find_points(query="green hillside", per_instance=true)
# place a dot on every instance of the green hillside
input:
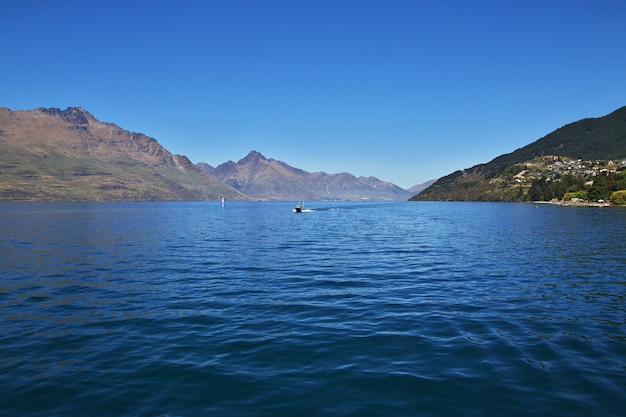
(601, 142)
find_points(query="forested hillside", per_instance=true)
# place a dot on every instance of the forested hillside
(597, 145)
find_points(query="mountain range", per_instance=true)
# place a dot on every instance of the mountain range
(69, 155)
(502, 179)
(268, 179)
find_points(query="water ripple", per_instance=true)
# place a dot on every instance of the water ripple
(353, 309)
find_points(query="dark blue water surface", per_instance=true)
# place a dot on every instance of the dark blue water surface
(390, 309)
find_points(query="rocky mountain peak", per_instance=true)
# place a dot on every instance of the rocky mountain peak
(204, 167)
(74, 115)
(253, 156)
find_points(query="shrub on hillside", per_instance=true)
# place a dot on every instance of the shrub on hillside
(581, 195)
(619, 197)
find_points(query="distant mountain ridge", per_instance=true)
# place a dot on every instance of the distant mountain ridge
(268, 179)
(601, 138)
(416, 189)
(69, 155)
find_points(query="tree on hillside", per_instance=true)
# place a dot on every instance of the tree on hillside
(599, 190)
(619, 197)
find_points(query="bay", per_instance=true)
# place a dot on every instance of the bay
(369, 308)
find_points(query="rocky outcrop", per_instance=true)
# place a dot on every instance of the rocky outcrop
(73, 115)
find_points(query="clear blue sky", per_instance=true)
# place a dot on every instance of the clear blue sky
(405, 91)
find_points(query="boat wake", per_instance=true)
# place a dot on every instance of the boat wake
(313, 210)
(300, 208)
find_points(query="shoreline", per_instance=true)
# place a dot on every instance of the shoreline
(575, 204)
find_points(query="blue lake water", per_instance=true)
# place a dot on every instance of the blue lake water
(390, 309)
